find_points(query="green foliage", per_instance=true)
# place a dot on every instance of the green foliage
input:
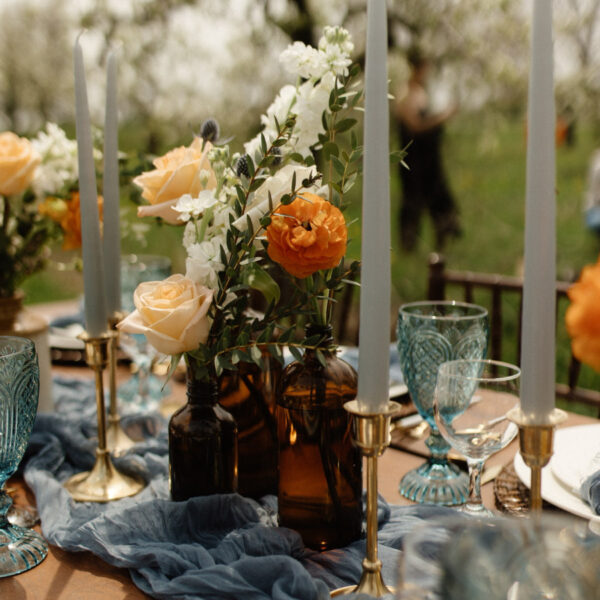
(24, 235)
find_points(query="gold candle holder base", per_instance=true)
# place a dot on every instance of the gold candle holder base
(372, 436)
(104, 482)
(536, 447)
(117, 441)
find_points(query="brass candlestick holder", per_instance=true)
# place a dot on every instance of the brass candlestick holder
(536, 447)
(372, 436)
(104, 482)
(117, 441)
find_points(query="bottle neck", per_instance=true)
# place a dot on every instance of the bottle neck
(200, 391)
(323, 331)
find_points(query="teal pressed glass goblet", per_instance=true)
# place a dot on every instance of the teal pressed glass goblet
(429, 334)
(20, 548)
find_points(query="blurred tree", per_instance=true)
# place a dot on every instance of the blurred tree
(184, 60)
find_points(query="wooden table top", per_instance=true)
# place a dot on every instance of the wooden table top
(83, 576)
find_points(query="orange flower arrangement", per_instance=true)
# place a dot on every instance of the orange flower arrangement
(583, 316)
(67, 213)
(307, 235)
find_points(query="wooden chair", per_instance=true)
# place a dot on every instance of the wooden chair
(496, 288)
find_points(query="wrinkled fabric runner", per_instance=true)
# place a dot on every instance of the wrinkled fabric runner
(214, 547)
(590, 491)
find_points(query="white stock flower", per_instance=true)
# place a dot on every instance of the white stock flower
(337, 60)
(204, 261)
(279, 109)
(59, 161)
(277, 185)
(311, 102)
(190, 207)
(189, 235)
(302, 60)
(336, 36)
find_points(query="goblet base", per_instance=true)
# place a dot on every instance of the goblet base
(21, 549)
(436, 482)
(23, 516)
(476, 510)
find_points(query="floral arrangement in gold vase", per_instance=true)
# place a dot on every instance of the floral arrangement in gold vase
(251, 220)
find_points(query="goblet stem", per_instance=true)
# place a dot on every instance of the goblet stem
(474, 502)
(5, 504)
(437, 445)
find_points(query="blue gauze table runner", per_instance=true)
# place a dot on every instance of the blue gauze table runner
(213, 547)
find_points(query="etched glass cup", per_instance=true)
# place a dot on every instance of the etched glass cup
(472, 398)
(20, 548)
(429, 334)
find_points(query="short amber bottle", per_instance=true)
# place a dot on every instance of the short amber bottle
(203, 450)
(248, 393)
(320, 469)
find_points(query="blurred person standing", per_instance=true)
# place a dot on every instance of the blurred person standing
(424, 185)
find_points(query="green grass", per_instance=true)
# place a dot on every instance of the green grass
(485, 162)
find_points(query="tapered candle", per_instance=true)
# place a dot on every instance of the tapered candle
(375, 291)
(93, 278)
(111, 238)
(539, 293)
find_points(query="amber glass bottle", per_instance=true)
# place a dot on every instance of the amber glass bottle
(203, 451)
(320, 469)
(249, 395)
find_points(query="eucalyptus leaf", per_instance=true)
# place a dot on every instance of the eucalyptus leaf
(297, 354)
(259, 279)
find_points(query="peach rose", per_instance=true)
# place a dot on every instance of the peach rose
(307, 235)
(583, 316)
(172, 314)
(180, 171)
(18, 160)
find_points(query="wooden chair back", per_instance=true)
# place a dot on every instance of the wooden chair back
(496, 288)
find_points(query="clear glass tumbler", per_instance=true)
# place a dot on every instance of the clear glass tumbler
(143, 390)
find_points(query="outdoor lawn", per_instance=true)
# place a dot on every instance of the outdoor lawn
(485, 159)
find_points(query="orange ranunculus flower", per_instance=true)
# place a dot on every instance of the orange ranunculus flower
(67, 213)
(307, 235)
(180, 171)
(583, 316)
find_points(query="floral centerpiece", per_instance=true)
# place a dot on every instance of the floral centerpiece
(244, 213)
(40, 202)
(260, 220)
(583, 316)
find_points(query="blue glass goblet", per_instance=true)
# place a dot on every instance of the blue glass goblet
(20, 548)
(429, 334)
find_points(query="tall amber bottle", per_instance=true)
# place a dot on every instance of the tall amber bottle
(203, 451)
(248, 393)
(320, 469)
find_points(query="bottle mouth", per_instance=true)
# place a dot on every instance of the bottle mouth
(323, 331)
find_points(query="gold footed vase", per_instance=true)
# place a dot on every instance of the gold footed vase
(372, 436)
(104, 482)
